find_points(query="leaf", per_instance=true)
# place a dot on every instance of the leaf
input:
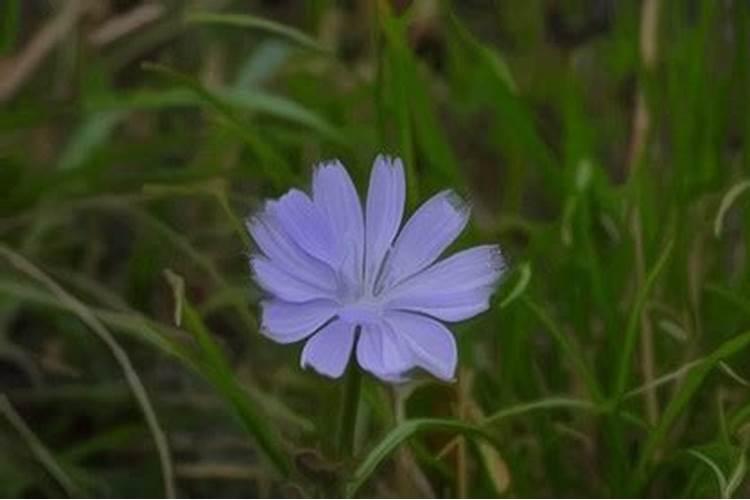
(570, 349)
(274, 167)
(129, 322)
(401, 433)
(726, 203)
(496, 467)
(281, 107)
(223, 378)
(521, 284)
(88, 318)
(544, 404)
(247, 21)
(516, 123)
(631, 330)
(737, 477)
(720, 477)
(37, 447)
(682, 397)
(733, 374)
(163, 338)
(94, 132)
(178, 292)
(489, 57)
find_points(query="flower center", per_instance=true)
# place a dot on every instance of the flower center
(361, 312)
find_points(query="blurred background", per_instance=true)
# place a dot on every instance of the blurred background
(604, 144)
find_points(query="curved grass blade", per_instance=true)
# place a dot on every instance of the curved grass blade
(726, 203)
(570, 349)
(40, 451)
(559, 403)
(247, 21)
(222, 376)
(95, 131)
(400, 434)
(720, 477)
(631, 331)
(120, 355)
(281, 107)
(128, 322)
(521, 284)
(165, 339)
(544, 404)
(682, 397)
(737, 477)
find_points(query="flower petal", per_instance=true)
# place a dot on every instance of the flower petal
(381, 352)
(434, 226)
(282, 251)
(287, 322)
(282, 284)
(329, 350)
(432, 344)
(336, 197)
(307, 226)
(385, 209)
(453, 289)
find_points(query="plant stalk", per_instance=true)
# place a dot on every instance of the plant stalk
(349, 409)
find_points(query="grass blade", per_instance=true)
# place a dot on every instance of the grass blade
(683, 396)
(520, 287)
(400, 434)
(247, 21)
(40, 451)
(720, 477)
(222, 376)
(544, 404)
(571, 350)
(737, 477)
(122, 358)
(631, 331)
(726, 203)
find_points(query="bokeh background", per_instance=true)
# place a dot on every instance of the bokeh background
(605, 144)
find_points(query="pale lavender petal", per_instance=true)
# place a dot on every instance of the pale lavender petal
(336, 197)
(432, 344)
(287, 322)
(385, 209)
(381, 352)
(329, 350)
(282, 284)
(453, 289)
(307, 226)
(433, 227)
(282, 251)
(370, 349)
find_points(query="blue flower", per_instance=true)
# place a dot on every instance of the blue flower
(348, 280)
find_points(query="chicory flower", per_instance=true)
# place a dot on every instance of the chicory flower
(353, 280)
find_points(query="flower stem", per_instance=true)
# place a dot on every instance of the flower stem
(349, 407)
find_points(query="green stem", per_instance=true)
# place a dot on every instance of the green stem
(349, 407)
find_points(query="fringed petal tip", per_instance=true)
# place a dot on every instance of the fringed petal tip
(461, 205)
(497, 262)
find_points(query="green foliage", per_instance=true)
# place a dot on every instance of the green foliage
(614, 361)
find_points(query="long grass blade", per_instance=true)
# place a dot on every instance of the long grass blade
(402, 433)
(631, 330)
(253, 22)
(37, 447)
(682, 398)
(122, 358)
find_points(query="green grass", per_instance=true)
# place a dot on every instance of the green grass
(614, 361)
